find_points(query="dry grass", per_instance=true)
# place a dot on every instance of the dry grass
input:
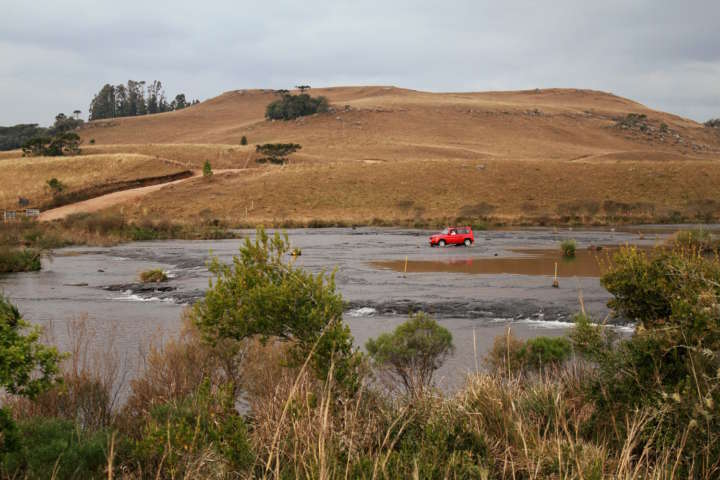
(503, 191)
(27, 177)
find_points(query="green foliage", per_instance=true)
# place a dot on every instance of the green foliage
(63, 143)
(134, 98)
(18, 135)
(207, 169)
(55, 185)
(540, 352)
(9, 437)
(510, 355)
(293, 106)
(55, 448)
(260, 295)
(27, 367)
(14, 260)
(568, 248)
(243, 140)
(432, 444)
(153, 276)
(412, 352)
(276, 153)
(671, 362)
(182, 430)
(713, 123)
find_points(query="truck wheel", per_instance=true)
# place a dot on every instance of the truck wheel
(441, 243)
(467, 242)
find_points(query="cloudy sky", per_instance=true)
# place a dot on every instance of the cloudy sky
(55, 54)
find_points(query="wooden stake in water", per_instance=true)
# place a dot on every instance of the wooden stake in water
(556, 284)
(405, 270)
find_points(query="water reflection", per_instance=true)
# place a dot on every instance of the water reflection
(587, 263)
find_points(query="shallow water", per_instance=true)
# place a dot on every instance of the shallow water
(478, 289)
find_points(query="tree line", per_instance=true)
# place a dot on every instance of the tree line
(135, 98)
(57, 139)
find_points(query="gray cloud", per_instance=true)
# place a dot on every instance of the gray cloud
(55, 54)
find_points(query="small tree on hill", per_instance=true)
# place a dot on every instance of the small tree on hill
(276, 153)
(413, 352)
(302, 88)
(55, 186)
(243, 140)
(207, 169)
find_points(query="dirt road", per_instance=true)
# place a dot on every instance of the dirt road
(112, 199)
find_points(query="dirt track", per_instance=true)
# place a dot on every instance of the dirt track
(112, 199)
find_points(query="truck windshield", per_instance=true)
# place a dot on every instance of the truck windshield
(445, 232)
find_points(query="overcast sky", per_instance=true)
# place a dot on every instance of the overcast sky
(55, 54)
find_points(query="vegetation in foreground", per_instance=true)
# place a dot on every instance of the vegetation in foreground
(272, 335)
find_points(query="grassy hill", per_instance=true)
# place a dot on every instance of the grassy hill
(391, 155)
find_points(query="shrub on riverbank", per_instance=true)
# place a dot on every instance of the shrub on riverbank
(105, 228)
(153, 276)
(13, 260)
(568, 248)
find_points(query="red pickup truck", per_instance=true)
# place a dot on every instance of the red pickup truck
(453, 236)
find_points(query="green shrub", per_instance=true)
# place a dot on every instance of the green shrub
(568, 248)
(293, 106)
(541, 352)
(713, 123)
(510, 355)
(276, 153)
(55, 448)
(243, 140)
(670, 364)
(55, 185)
(180, 433)
(207, 169)
(27, 367)
(153, 276)
(413, 352)
(261, 296)
(13, 260)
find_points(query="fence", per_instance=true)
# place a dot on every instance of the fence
(12, 215)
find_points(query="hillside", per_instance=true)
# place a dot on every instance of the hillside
(399, 156)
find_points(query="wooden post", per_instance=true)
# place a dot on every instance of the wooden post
(556, 284)
(405, 271)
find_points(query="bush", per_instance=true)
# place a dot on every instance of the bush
(510, 355)
(294, 106)
(413, 352)
(27, 367)
(19, 260)
(207, 169)
(180, 436)
(568, 248)
(243, 140)
(713, 123)
(276, 153)
(541, 352)
(55, 185)
(153, 276)
(55, 448)
(261, 296)
(670, 364)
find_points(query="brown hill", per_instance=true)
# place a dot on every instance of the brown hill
(539, 155)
